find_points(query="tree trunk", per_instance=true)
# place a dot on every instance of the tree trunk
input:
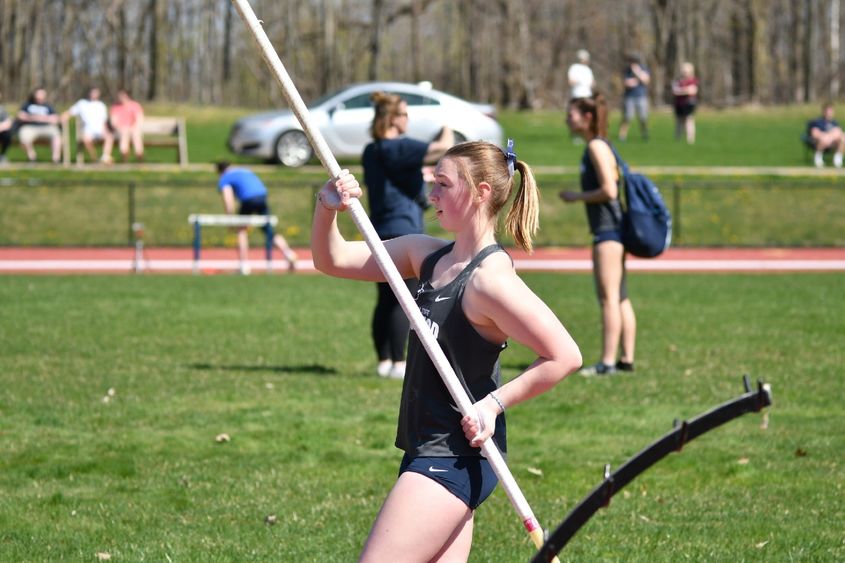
(375, 39)
(152, 46)
(328, 50)
(227, 45)
(835, 55)
(809, 50)
(664, 19)
(751, 37)
(416, 43)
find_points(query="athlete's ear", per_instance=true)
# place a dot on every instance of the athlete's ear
(483, 191)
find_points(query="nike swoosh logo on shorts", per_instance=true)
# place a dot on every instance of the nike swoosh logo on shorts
(433, 469)
(438, 299)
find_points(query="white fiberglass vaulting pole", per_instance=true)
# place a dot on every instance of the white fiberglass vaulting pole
(365, 226)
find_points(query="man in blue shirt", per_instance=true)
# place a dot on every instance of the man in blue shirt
(635, 79)
(241, 184)
(826, 135)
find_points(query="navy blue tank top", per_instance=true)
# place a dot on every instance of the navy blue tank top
(606, 216)
(429, 420)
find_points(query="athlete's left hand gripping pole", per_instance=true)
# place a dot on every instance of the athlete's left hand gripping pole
(359, 216)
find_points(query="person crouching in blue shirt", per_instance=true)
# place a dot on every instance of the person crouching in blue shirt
(241, 184)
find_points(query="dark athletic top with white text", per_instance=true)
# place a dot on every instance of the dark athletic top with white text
(429, 420)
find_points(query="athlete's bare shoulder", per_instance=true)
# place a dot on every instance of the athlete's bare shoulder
(418, 247)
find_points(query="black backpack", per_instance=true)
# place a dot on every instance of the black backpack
(646, 221)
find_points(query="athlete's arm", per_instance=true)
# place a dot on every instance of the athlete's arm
(438, 147)
(500, 306)
(336, 256)
(605, 166)
(228, 199)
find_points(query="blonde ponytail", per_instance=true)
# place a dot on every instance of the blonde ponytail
(523, 219)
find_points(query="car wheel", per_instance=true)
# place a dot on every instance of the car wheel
(293, 149)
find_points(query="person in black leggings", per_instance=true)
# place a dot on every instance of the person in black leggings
(396, 190)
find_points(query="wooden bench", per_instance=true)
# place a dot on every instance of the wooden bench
(157, 131)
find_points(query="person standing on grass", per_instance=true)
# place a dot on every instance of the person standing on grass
(635, 81)
(396, 192)
(93, 118)
(241, 184)
(587, 117)
(473, 301)
(826, 135)
(580, 76)
(685, 91)
(127, 119)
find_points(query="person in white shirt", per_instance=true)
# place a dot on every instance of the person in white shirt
(581, 79)
(93, 119)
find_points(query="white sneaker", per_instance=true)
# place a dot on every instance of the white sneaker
(397, 371)
(837, 160)
(384, 367)
(245, 269)
(818, 160)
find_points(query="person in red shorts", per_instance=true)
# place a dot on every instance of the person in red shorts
(685, 90)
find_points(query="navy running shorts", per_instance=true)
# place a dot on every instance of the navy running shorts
(604, 236)
(471, 479)
(255, 206)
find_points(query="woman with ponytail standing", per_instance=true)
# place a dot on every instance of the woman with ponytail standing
(396, 192)
(473, 301)
(587, 117)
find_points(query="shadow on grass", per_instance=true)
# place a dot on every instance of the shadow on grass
(314, 369)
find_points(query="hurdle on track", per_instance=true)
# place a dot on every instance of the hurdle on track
(204, 220)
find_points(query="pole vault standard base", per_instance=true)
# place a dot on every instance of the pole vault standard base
(674, 441)
(267, 222)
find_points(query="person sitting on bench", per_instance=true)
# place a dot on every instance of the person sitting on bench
(38, 120)
(127, 118)
(94, 123)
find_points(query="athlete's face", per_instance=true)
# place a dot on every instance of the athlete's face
(578, 122)
(451, 197)
(400, 120)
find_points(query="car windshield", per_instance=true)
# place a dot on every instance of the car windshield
(363, 100)
(325, 97)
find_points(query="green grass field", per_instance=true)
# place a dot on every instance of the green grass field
(283, 366)
(58, 211)
(48, 206)
(742, 136)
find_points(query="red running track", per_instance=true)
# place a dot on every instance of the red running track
(217, 260)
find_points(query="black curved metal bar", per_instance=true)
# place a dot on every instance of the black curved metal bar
(674, 441)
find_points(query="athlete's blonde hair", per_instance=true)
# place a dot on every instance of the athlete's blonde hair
(480, 161)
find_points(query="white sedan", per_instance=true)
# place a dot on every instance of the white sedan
(344, 118)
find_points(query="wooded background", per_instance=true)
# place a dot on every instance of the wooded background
(514, 54)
